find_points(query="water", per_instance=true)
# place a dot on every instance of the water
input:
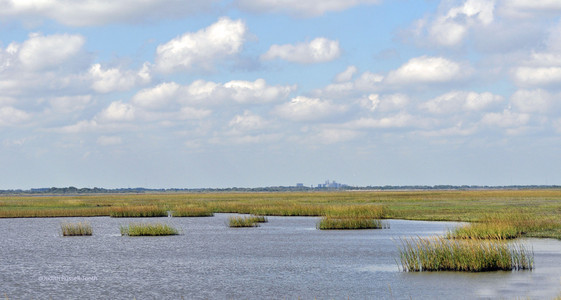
(286, 258)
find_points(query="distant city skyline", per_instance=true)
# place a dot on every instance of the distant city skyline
(253, 93)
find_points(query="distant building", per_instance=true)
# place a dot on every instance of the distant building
(299, 185)
(330, 184)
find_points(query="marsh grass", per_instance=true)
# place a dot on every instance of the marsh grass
(330, 223)
(504, 226)
(192, 211)
(138, 211)
(148, 229)
(76, 229)
(246, 221)
(441, 254)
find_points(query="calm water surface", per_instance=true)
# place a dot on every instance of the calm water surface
(286, 258)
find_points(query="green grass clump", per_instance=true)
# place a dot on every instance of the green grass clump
(145, 229)
(76, 229)
(355, 211)
(192, 211)
(247, 221)
(441, 254)
(330, 223)
(138, 211)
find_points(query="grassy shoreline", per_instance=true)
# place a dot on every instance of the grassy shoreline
(542, 207)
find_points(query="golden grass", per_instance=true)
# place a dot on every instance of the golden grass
(330, 223)
(246, 221)
(192, 211)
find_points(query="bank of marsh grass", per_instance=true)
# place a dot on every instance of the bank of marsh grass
(504, 226)
(330, 223)
(192, 211)
(246, 221)
(430, 205)
(138, 211)
(148, 229)
(76, 229)
(441, 254)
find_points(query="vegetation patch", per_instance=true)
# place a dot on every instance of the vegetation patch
(330, 223)
(246, 221)
(138, 211)
(192, 211)
(148, 229)
(76, 229)
(441, 254)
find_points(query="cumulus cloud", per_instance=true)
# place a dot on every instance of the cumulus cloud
(69, 104)
(118, 112)
(537, 76)
(316, 51)
(88, 13)
(10, 116)
(115, 79)
(202, 49)
(460, 101)
(302, 109)
(450, 26)
(346, 75)
(505, 119)
(40, 52)
(203, 92)
(426, 69)
(247, 122)
(398, 120)
(533, 101)
(308, 8)
(384, 103)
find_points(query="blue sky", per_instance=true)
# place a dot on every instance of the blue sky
(247, 93)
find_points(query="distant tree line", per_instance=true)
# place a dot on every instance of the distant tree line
(76, 191)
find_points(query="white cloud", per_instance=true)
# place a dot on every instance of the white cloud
(109, 140)
(384, 103)
(69, 104)
(303, 109)
(156, 97)
(87, 13)
(393, 121)
(346, 75)
(316, 51)
(427, 69)
(40, 52)
(118, 112)
(335, 135)
(452, 24)
(12, 116)
(505, 119)
(529, 8)
(247, 122)
(460, 101)
(301, 8)
(532, 101)
(240, 91)
(115, 79)
(537, 76)
(203, 48)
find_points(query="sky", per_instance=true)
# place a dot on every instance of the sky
(252, 93)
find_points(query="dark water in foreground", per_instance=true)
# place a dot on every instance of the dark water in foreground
(286, 258)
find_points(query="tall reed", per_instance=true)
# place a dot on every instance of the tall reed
(441, 254)
(76, 229)
(147, 229)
